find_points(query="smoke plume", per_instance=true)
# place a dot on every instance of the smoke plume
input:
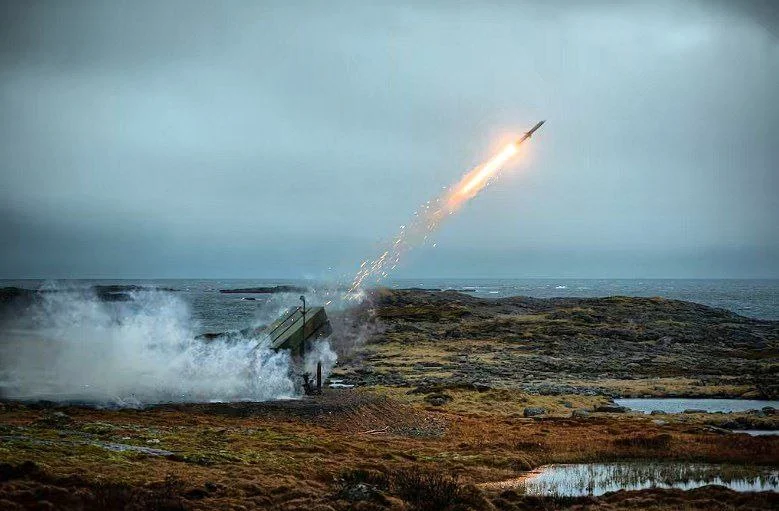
(72, 346)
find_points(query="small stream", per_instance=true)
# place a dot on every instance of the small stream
(581, 479)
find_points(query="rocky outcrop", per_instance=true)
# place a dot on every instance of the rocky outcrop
(568, 345)
(611, 409)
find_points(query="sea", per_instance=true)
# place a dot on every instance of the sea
(213, 311)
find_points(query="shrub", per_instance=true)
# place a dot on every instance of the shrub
(435, 491)
(425, 490)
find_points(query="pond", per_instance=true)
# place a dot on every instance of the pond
(757, 432)
(678, 405)
(581, 479)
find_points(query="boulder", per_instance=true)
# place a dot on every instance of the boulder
(715, 429)
(612, 408)
(533, 411)
(438, 399)
(580, 414)
(360, 492)
(481, 387)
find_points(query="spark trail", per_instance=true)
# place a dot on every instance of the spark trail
(430, 215)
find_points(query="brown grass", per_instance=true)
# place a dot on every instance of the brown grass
(269, 459)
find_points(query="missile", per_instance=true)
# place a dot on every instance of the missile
(529, 133)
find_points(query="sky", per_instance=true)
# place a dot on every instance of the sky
(187, 139)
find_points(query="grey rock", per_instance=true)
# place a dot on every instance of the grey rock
(580, 414)
(715, 429)
(438, 399)
(360, 492)
(533, 411)
(611, 409)
(481, 387)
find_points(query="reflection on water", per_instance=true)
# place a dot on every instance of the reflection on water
(678, 405)
(598, 478)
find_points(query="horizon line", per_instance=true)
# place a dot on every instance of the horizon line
(387, 280)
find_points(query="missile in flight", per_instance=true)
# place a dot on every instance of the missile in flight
(529, 133)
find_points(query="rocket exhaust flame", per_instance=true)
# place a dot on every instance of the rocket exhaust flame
(428, 217)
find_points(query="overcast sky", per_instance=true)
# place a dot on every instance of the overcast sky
(290, 139)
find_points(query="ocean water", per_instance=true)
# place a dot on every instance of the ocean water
(757, 298)
(212, 311)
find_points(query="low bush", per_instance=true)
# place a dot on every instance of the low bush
(423, 490)
(435, 491)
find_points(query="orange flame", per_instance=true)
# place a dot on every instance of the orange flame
(474, 181)
(428, 217)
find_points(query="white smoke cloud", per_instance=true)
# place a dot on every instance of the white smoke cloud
(75, 347)
(320, 352)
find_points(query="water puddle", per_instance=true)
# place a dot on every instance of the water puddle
(679, 405)
(581, 479)
(111, 446)
(339, 384)
(758, 432)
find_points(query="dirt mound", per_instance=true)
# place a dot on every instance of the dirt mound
(342, 410)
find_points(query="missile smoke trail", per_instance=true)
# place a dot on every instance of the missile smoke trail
(430, 215)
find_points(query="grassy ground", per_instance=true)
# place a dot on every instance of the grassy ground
(225, 456)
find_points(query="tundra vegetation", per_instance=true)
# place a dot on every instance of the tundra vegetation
(451, 392)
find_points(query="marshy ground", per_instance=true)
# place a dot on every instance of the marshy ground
(451, 392)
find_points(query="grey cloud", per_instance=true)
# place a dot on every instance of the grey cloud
(298, 135)
(764, 13)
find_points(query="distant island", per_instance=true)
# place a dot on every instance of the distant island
(106, 293)
(266, 290)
